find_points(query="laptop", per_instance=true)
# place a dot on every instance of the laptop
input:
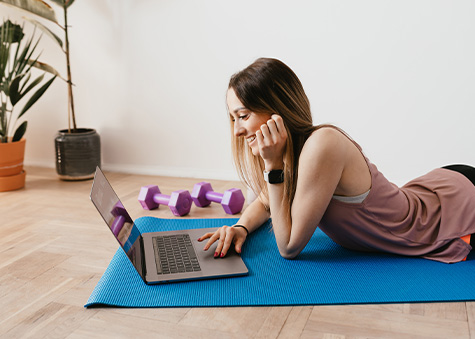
(161, 257)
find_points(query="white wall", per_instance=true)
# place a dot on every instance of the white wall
(398, 76)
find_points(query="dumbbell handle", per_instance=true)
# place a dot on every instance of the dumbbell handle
(214, 196)
(161, 199)
(179, 201)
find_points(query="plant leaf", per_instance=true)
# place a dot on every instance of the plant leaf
(45, 67)
(25, 62)
(3, 123)
(13, 91)
(25, 82)
(47, 31)
(13, 31)
(32, 85)
(20, 59)
(37, 7)
(20, 131)
(34, 98)
(4, 53)
(15, 61)
(5, 47)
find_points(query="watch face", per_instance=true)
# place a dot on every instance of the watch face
(276, 176)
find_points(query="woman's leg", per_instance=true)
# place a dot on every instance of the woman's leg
(466, 170)
(469, 173)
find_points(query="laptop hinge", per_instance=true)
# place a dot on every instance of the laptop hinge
(142, 254)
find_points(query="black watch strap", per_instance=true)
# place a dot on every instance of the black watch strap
(274, 176)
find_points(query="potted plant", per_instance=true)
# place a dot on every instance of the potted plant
(78, 150)
(18, 59)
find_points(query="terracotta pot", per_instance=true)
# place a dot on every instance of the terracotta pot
(12, 176)
(77, 154)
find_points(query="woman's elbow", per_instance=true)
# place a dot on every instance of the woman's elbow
(289, 254)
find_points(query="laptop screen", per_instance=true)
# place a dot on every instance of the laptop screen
(116, 217)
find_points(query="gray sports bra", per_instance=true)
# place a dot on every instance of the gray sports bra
(358, 199)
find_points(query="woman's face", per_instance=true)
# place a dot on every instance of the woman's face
(246, 123)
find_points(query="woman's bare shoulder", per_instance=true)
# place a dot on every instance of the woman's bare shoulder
(326, 150)
(326, 139)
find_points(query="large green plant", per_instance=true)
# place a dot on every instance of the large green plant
(43, 10)
(18, 58)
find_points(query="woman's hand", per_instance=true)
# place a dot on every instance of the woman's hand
(271, 140)
(225, 235)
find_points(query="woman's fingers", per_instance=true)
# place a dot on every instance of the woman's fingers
(260, 138)
(205, 236)
(266, 133)
(238, 245)
(273, 129)
(212, 238)
(279, 123)
(272, 132)
(228, 240)
(271, 139)
(225, 236)
(222, 239)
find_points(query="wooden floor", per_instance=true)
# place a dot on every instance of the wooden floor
(54, 248)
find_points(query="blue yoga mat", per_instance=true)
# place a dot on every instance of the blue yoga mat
(324, 273)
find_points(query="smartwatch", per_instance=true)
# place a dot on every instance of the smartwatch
(274, 176)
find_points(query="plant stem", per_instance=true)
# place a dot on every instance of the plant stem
(3, 121)
(71, 115)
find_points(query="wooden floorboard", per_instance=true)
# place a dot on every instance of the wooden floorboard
(54, 249)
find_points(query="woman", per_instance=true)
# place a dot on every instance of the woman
(308, 176)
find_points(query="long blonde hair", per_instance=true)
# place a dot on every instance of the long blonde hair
(268, 86)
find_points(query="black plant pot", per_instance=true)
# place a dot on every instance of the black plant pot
(77, 154)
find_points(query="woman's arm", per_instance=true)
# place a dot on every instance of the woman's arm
(253, 216)
(321, 165)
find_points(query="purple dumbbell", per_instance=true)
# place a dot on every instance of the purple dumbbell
(179, 201)
(232, 200)
(120, 218)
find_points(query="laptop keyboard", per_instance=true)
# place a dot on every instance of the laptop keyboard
(175, 254)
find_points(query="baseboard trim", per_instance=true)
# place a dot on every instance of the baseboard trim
(158, 170)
